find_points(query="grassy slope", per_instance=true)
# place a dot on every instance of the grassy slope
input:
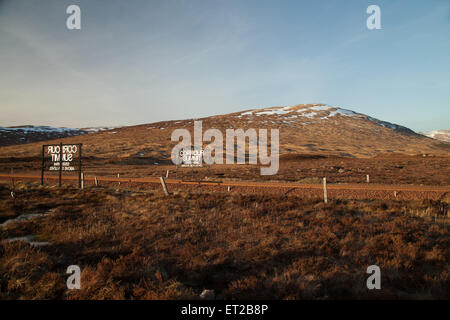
(147, 246)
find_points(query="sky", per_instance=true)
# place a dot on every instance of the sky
(135, 62)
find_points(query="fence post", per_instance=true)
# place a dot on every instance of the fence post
(96, 181)
(167, 173)
(367, 178)
(164, 186)
(12, 179)
(118, 176)
(82, 181)
(325, 195)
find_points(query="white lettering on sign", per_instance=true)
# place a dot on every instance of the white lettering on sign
(67, 157)
(191, 157)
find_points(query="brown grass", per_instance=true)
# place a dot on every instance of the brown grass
(143, 245)
(382, 170)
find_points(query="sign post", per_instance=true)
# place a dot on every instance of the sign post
(43, 166)
(79, 166)
(60, 162)
(191, 157)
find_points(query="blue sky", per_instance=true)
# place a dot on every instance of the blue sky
(137, 62)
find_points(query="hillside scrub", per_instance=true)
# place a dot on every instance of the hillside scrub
(144, 245)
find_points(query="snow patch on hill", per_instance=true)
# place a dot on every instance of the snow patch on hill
(311, 112)
(97, 129)
(315, 113)
(34, 129)
(443, 135)
(28, 134)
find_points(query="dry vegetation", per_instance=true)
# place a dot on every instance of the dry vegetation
(383, 169)
(143, 245)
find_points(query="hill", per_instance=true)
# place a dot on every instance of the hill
(305, 129)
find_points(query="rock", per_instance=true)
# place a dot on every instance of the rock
(207, 295)
(30, 240)
(341, 170)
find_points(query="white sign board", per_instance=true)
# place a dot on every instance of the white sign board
(191, 157)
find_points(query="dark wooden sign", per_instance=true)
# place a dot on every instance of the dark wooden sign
(61, 157)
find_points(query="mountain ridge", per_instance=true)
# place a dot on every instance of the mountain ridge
(304, 129)
(23, 134)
